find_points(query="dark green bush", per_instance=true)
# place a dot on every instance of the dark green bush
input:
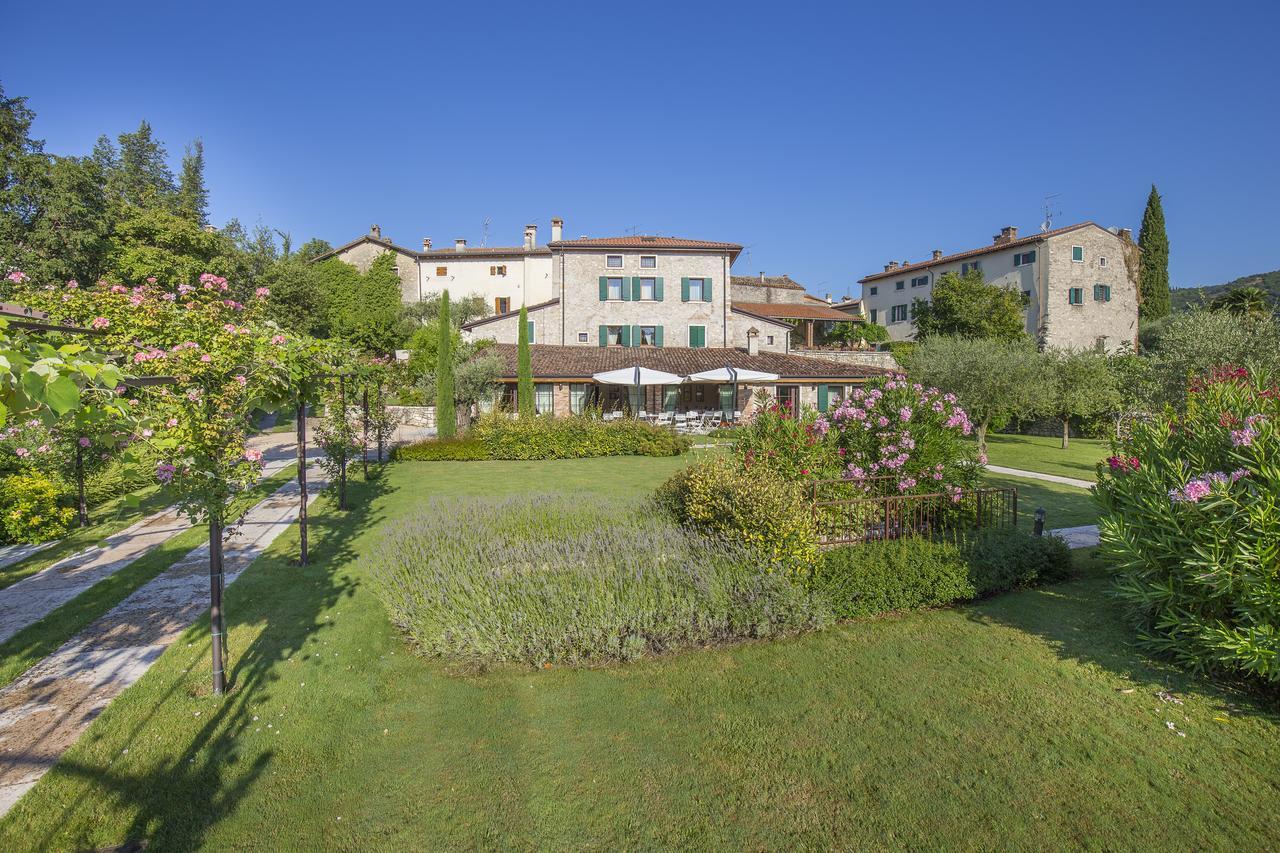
(443, 450)
(1003, 559)
(574, 437)
(902, 574)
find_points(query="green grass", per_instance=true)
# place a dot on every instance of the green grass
(1065, 506)
(1022, 721)
(39, 639)
(105, 520)
(1046, 456)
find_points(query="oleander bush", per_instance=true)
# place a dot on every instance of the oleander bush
(1191, 528)
(463, 449)
(29, 509)
(554, 579)
(573, 437)
(758, 506)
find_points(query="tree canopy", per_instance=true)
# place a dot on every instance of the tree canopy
(1153, 270)
(967, 306)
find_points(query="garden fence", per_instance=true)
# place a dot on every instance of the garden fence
(851, 520)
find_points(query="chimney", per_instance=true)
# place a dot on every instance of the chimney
(904, 262)
(937, 254)
(375, 232)
(753, 341)
(1126, 234)
(1007, 234)
(426, 244)
(530, 236)
(828, 298)
(557, 229)
(892, 265)
(460, 244)
(762, 276)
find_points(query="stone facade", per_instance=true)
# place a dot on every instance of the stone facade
(882, 359)
(762, 288)
(773, 337)
(363, 253)
(505, 329)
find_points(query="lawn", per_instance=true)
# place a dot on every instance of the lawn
(1022, 721)
(1064, 506)
(1045, 455)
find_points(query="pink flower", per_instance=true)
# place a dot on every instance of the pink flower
(241, 380)
(44, 448)
(172, 422)
(164, 472)
(100, 322)
(151, 279)
(982, 459)
(229, 328)
(262, 292)
(146, 433)
(84, 442)
(206, 358)
(72, 284)
(253, 455)
(119, 288)
(277, 340)
(17, 277)
(22, 452)
(904, 414)
(1243, 437)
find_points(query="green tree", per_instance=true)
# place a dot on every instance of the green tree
(524, 368)
(994, 380)
(1153, 271)
(151, 242)
(193, 195)
(1251, 302)
(966, 306)
(1082, 384)
(312, 249)
(1201, 339)
(363, 308)
(139, 173)
(299, 301)
(417, 315)
(446, 412)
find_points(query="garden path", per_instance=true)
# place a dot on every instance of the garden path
(34, 598)
(45, 711)
(1036, 475)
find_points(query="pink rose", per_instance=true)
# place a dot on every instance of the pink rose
(100, 322)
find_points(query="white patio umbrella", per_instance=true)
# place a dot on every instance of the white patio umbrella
(637, 377)
(734, 375)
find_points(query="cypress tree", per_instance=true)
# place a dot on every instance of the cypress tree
(446, 416)
(1153, 276)
(193, 195)
(524, 369)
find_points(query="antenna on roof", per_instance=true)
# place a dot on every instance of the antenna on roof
(1049, 212)
(632, 230)
(484, 232)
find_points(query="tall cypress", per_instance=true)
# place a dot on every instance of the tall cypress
(1153, 276)
(446, 414)
(524, 368)
(193, 194)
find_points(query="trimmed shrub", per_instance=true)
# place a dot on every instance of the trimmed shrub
(1002, 559)
(1192, 523)
(574, 437)
(442, 450)
(759, 507)
(902, 574)
(29, 511)
(548, 578)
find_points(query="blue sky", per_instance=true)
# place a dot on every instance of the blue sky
(828, 139)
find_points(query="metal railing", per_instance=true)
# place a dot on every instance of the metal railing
(841, 520)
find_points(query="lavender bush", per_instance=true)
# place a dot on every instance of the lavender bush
(546, 579)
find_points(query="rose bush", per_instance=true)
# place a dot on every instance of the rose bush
(1192, 526)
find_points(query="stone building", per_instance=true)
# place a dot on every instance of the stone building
(364, 250)
(1079, 284)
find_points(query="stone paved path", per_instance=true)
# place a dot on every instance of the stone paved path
(31, 599)
(1036, 475)
(45, 710)
(1085, 536)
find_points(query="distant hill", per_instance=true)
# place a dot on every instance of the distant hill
(1184, 297)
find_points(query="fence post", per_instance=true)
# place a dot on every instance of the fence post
(977, 524)
(1015, 507)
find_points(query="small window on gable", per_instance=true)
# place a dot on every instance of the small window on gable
(648, 262)
(1102, 260)
(874, 291)
(583, 337)
(1075, 296)
(768, 339)
(441, 272)
(1077, 254)
(613, 261)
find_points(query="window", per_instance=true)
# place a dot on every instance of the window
(769, 340)
(1024, 258)
(613, 262)
(648, 262)
(1075, 296)
(696, 290)
(1026, 298)
(647, 289)
(697, 336)
(1077, 254)
(614, 336)
(920, 281)
(1102, 261)
(531, 331)
(577, 397)
(874, 312)
(501, 304)
(899, 285)
(874, 291)
(542, 398)
(614, 288)
(970, 266)
(648, 336)
(1102, 293)
(441, 272)
(898, 314)
(583, 337)
(498, 270)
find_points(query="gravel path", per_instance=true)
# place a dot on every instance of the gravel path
(1036, 475)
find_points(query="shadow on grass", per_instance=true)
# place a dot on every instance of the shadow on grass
(175, 804)
(1082, 623)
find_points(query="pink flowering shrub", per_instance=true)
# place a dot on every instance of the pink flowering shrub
(1192, 526)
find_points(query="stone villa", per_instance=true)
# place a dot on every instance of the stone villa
(1079, 284)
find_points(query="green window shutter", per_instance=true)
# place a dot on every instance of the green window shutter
(604, 288)
(706, 290)
(635, 288)
(635, 336)
(697, 336)
(604, 336)
(657, 336)
(684, 290)
(823, 392)
(626, 336)
(657, 289)
(626, 289)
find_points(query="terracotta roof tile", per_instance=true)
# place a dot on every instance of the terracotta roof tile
(789, 311)
(555, 300)
(642, 241)
(581, 362)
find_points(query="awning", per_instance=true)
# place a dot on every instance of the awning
(733, 374)
(637, 376)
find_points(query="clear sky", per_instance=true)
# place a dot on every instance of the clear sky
(828, 139)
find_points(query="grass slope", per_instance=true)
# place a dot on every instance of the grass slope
(42, 638)
(1045, 455)
(1064, 506)
(1024, 721)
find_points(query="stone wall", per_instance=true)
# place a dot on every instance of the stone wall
(546, 328)
(763, 293)
(362, 255)
(1111, 324)
(867, 358)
